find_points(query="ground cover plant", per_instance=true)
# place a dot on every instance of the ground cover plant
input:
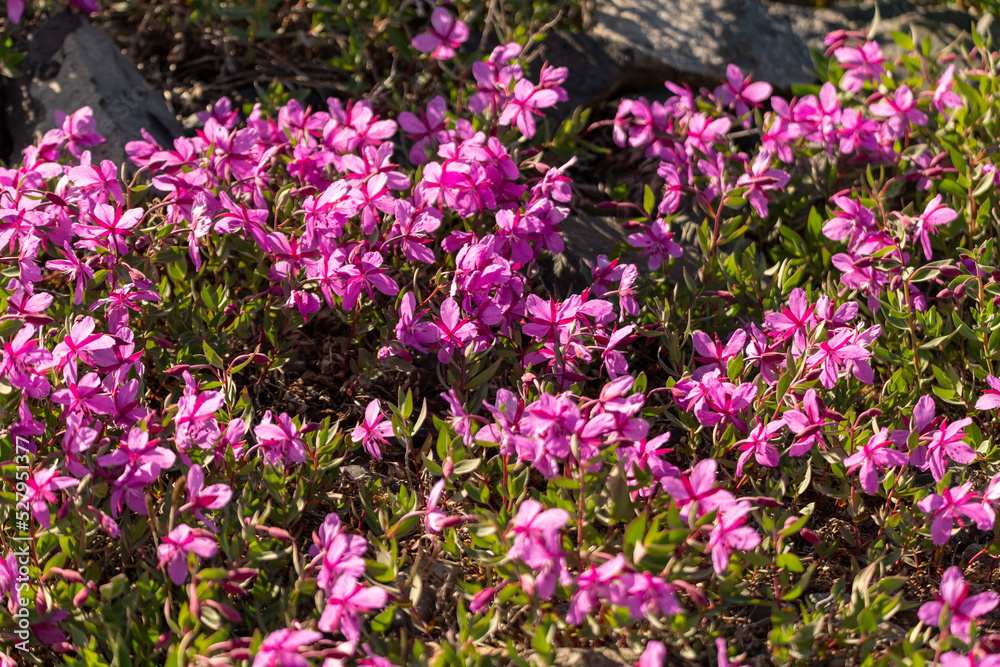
(782, 455)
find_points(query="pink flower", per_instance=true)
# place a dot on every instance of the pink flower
(990, 400)
(176, 546)
(758, 444)
(453, 331)
(944, 98)
(281, 648)
(875, 455)
(195, 422)
(697, 486)
(952, 504)
(15, 8)
(899, 111)
(41, 491)
(806, 424)
(953, 659)
(280, 440)
(346, 601)
(78, 129)
(524, 105)
(945, 443)
(443, 37)
(714, 354)
(200, 497)
(80, 341)
(863, 62)
(794, 321)
(536, 532)
(373, 430)
(593, 584)
(739, 92)
(955, 606)
(935, 215)
(657, 243)
(759, 177)
(729, 533)
(654, 655)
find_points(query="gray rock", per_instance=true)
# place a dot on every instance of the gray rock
(702, 37)
(70, 64)
(635, 45)
(588, 236)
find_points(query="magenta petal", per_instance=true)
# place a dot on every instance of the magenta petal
(941, 529)
(869, 478)
(977, 605)
(988, 401)
(930, 613)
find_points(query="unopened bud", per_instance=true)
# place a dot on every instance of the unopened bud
(280, 534)
(482, 600)
(809, 536)
(224, 609)
(71, 576)
(81, 597)
(242, 573)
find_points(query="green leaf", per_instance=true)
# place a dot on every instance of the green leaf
(796, 592)
(789, 562)
(212, 356)
(905, 41)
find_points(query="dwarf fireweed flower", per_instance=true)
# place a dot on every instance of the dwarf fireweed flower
(730, 532)
(951, 505)
(536, 532)
(524, 105)
(935, 215)
(953, 659)
(990, 400)
(900, 111)
(944, 98)
(699, 486)
(42, 488)
(945, 443)
(875, 455)
(78, 129)
(445, 34)
(373, 429)
(175, 547)
(347, 599)
(714, 354)
(840, 351)
(201, 497)
(280, 440)
(953, 605)
(642, 593)
(8, 581)
(195, 423)
(863, 63)
(758, 179)
(758, 444)
(654, 655)
(738, 92)
(593, 584)
(806, 424)
(793, 321)
(282, 648)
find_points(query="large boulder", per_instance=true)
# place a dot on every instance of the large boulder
(69, 65)
(634, 45)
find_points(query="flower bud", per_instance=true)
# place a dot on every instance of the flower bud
(482, 600)
(809, 536)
